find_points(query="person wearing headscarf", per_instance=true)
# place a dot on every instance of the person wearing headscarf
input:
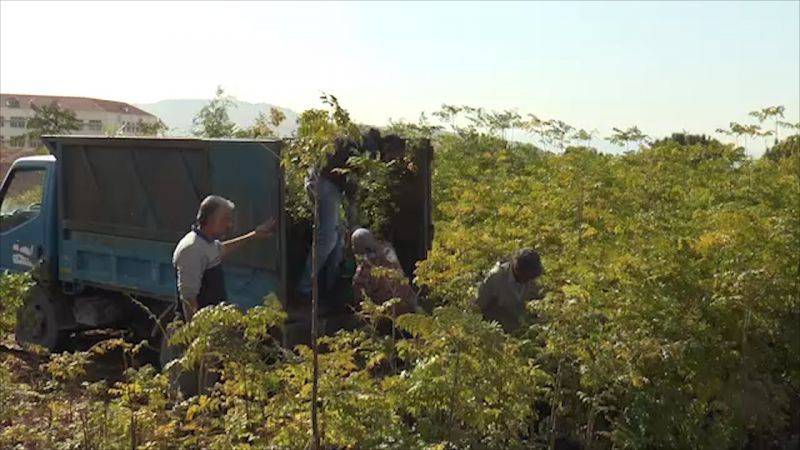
(379, 276)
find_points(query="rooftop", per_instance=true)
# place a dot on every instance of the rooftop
(72, 103)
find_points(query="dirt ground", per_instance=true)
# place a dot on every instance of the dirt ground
(26, 362)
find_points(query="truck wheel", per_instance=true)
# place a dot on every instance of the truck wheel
(36, 321)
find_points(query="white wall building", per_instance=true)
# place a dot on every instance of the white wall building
(97, 117)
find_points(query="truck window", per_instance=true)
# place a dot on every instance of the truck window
(22, 198)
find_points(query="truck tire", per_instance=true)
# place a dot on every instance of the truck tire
(37, 321)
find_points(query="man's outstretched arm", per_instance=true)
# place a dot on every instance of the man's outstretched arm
(262, 231)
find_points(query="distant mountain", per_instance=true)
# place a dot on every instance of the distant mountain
(178, 114)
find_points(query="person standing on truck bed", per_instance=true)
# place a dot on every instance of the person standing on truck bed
(508, 287)
(198, 256)
(330, 183)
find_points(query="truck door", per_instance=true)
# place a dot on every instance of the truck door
(22, 222)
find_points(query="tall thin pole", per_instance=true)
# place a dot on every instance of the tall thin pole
(315, 321)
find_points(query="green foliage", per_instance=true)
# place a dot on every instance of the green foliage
(51, 119)
(471, 386)
(13, 287)
(625, 137)
(787, 148)
(24, 199)
(376, 180)
(310, 149)
(264, 127)
(685, 138)
(669, 321)
(771, 112)
(649, 327)
(157, 128)
(213, 120)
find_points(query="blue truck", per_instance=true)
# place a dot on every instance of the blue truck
(96, 222)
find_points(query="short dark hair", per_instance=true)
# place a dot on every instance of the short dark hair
(393, 141)
(210, 205)
(371, 140)
(528, 260)
(393, 146)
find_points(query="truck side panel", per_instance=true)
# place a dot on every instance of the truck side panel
(126, 202)
(139, 188)
(145, 268)
(249, 174)
(120, 263)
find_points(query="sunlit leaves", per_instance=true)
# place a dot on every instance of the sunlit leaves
(13, 288)
(213, 120)
(645, 259)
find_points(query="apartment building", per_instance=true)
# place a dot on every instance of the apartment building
(97, 116)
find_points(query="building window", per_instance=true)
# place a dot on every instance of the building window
(95, 125)
(2, 121)
(12, 103)
(131, 128)
(17, 141)
(17, 122)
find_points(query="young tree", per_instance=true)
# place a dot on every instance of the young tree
(585, 136)
(51, 119)
(503, 121)
(264, 126)
(276, 117)
(739, 130)
(624, 137)
(449, 113)
(793, 127)
(638, 136)
(315, 142)
(535, 126)
(157, 128)
(557, 133)
(475, 116)
(770, 112)
(213, 120)
(764, 134)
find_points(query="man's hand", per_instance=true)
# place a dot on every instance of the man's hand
(189, 308)
(266, 229)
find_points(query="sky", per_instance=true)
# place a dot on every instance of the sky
(664, 67)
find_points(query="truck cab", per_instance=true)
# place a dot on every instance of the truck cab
(27, 215)
(97, 220)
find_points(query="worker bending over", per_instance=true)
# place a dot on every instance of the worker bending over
(508, 287)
